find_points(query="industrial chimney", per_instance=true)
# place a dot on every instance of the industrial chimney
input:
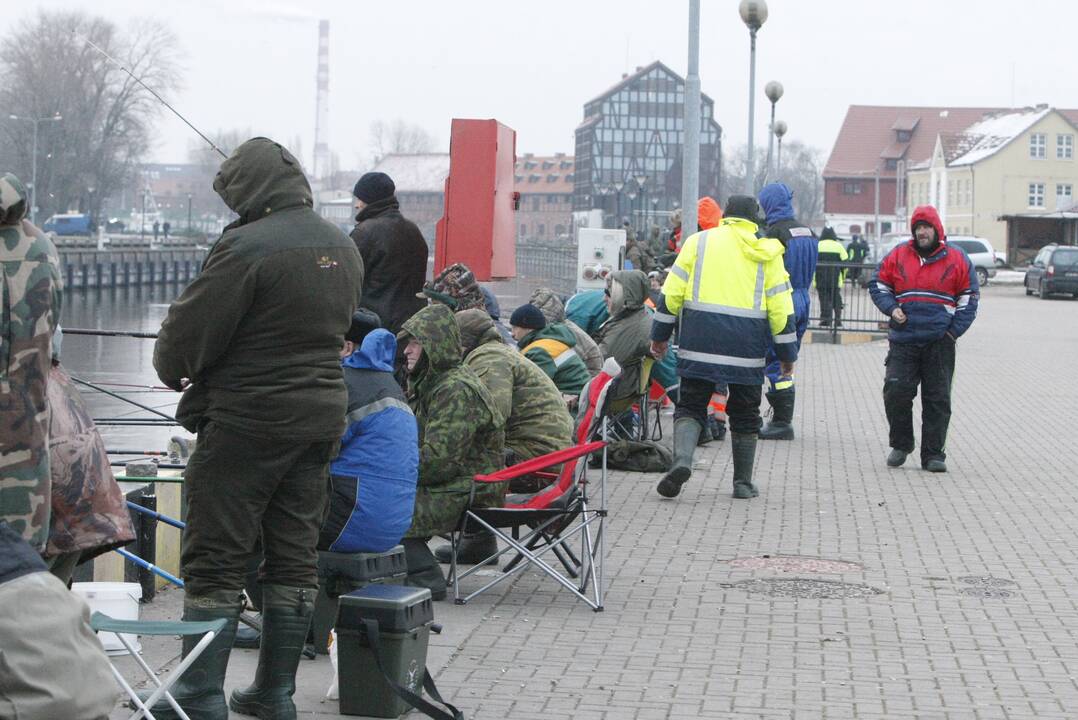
(321, 120)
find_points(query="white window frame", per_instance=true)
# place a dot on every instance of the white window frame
(1038, 146)
(1069, 195)
(1036, 192)
(1064, 146)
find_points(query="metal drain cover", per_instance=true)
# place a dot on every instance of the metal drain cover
(986, 586)
(796, 563)
(804, 588)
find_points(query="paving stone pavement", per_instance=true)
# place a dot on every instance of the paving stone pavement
(680, 638)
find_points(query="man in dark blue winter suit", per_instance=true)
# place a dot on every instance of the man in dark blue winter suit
(776, 200)
(373, 478)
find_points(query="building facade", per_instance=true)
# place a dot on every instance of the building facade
(629, 149)
(545, 184)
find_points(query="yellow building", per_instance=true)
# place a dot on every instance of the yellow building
(1008, 163)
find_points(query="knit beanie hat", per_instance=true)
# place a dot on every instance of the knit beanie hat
(363, 321)
(456, 287)
(744, 207)
(528, 316)
(374, 186)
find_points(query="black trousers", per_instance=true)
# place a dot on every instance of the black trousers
(931, 366)
(742, 404)
(830, 302)
(240, 488)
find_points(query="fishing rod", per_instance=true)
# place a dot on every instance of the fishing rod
(126, 400)
(109, 333)
(149, 89)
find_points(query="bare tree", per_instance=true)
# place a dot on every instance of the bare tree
(200, 153)
(801, 170)
(47, 69)
(398, 137)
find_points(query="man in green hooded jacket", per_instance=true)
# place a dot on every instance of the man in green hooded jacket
(461, 434)
(537, 421)
(551, 346)
(254, 342)
(626, 335)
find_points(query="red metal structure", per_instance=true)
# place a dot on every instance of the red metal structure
(478, 227)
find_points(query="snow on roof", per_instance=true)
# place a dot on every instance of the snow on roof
(997, 130)
(416, 173)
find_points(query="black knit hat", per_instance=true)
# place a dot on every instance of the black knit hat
(374, 186)
(363, 321)
(528, 316)
(744, 207)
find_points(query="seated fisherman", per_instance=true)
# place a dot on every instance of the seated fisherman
(461, 434)
(551, 347)
(554, 311)
(373, 478)
(537, 421)
(626, 336)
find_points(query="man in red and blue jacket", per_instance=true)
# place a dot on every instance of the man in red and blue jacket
(930, 292)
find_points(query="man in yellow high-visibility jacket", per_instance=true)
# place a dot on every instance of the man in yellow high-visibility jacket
(732, 295)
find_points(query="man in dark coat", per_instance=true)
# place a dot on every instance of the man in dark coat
(394, 252)
(254, 341)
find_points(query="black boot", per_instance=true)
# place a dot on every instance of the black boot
(200, 692)
(686, 434)
(744, 451)
(247, 638)
(781, 425)
(474, 548)
(423, 569)
(838, 317)
(286, 615)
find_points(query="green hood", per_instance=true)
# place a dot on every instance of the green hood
(436, 330)
(754, 248)
(631, 294)
(13, 204)
(554, 331)
(476, 328)
(259, 178)
(550, 304)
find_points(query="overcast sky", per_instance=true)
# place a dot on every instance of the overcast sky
(532, 65)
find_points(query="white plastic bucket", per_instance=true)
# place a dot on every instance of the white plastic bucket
(119, 601)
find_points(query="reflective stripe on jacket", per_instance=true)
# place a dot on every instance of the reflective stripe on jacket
(733, 295)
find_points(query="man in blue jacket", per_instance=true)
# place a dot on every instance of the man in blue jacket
(800, 257)
(373, 478)
(930, 293)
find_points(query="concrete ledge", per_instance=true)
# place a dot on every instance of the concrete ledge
(846, 337)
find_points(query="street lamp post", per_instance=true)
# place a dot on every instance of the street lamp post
(188, 213)
(603, 191)
(773, 90)
(631, 193)
(753, 14)
(617, 185)
(780, 130)
(641, 180)
(33, 160)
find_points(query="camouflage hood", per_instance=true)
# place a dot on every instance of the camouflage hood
(550, 304)
(476, 328)
(13, 200)
(261, 177)
(436, 330)
(628, 290)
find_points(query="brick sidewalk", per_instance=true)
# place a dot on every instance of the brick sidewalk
(974, 617)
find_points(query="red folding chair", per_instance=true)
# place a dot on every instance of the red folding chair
(545, 521)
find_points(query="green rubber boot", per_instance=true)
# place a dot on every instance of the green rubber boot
(744, 451)
(201, 690)
(286, 615)
(686, 435)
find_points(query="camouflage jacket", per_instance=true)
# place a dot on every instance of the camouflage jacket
(461, 430)
(31, 309)
(89, 511)
(537, 421)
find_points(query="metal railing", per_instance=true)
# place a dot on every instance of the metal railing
(553, 266)
(858, 314)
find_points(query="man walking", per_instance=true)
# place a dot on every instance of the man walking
(732, 295)
(254, 342)
(829, 277)
(393, 249)
(799, 259)
(930, 293)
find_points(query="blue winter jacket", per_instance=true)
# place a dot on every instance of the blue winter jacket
(373, 479)
(800, 242)
(588, 310)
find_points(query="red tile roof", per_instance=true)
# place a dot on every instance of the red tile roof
(869, 130)
(544, 174)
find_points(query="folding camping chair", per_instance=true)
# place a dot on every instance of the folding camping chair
(545, 521)
(634, 426)
(103, 623)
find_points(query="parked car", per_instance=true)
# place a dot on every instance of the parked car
(1053, 270)
(980, 253)
(68, 224)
